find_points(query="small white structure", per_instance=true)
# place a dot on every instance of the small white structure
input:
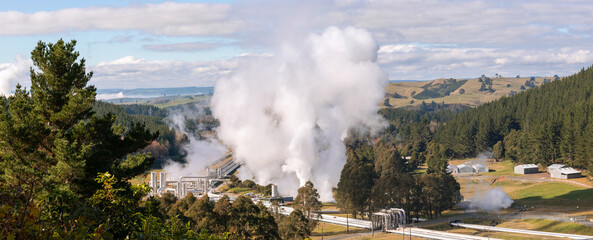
(554, 167)
(565, 173)
(465, 168)
(480, 168)
(275, 191)
(452, 169)
(526, 169)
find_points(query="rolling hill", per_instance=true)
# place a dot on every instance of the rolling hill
(469, 92)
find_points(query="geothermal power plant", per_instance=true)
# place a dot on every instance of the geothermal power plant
(194, 184)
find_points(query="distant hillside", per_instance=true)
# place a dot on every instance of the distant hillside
(552, 123)
(157, 92)
(469, 92)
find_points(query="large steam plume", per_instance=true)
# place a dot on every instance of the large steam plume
(285, 116)
(11, 73)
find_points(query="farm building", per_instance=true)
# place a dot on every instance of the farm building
(465, 168)
(526, 169)
(554, 166)
(452, 169)
(480, 167)
(565, 173)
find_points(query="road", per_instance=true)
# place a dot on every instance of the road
(529, 232)
(415, 232)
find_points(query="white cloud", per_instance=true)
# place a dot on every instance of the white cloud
(409, 61)
(13, 73)
(173, 19)
(180, 47)
(131, 72)
(471, 22)
(105, 96)
(420, 39)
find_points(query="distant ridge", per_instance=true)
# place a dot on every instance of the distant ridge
(397, 81)
(159, 91)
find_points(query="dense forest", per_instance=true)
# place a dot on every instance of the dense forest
(168, 145)
(439, 90)
(546, 124)
(377, 177)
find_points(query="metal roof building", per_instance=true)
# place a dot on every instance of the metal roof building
(565, 173)
(555, 166)
(526, 169)
(465, 168)
(480, 167)
(452, 169)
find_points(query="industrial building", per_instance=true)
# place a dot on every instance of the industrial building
(452, 169)
(554, 166)
(199, 184)
(479, 168)
(466, 168)
(526, 169)
(565, 173)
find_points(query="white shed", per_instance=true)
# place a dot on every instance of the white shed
(465, 168)
(480, 167)
(526, 169)
(565, 173)
(452, 169)
(554, 166)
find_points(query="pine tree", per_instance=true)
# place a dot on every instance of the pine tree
(52, 146)
(498, 150)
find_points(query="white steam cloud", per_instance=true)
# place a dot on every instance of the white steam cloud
(485, 197)
(107, 96)
(286, 116)
(491, 200)
(200, 152)
(11, 73)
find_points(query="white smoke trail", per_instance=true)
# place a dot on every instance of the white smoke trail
(11, 73)
(286, 116)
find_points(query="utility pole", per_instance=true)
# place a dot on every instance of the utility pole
(347, 224)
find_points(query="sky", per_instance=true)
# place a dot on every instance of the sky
(153, 44)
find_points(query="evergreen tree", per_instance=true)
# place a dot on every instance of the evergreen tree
(52, 145)
(498, 150)
(356, 179)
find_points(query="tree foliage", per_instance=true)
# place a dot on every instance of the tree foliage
(307, 202)
(377, 177)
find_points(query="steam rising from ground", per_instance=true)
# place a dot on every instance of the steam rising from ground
(286, 116)
(200, 152)
(487, 198)
(490, 200)
(10, 73)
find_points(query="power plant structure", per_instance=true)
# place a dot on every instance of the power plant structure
(388, 219)
(198, 184)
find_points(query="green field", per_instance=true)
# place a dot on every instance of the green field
(504, 168)
(550, 194)
(171, 101)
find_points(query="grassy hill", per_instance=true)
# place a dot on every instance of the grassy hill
(163, 101)
(455, 91)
